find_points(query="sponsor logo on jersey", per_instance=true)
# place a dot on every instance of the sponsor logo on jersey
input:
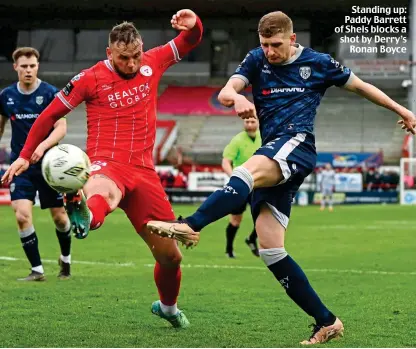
(26, 116)
(39, 100)
(68, 88)
(146, 70)
(305, 72)
(129, 97)
(10, 101)
(268, 91)
(106, 87)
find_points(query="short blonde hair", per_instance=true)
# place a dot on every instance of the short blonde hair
(275, 23)
(125, 33)
(25, 51)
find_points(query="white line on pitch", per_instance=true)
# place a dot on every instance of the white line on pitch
(222, 266)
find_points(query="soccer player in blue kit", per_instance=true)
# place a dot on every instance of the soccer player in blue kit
(288, 82)
(22, 103)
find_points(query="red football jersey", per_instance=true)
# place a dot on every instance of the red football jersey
(121, 114)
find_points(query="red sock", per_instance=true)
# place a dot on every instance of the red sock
(99, 209)
(168, 282)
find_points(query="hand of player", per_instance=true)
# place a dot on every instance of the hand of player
(408, 122)
(38, 153)
(183, 20)
(15, 169)
(244, 108)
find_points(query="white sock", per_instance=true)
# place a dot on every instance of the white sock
(168, 309)
(39, 269)
(66, 259)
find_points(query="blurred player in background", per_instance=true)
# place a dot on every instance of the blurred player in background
(327, 185)
(236, 153)
(22, 103)
(121, 95)
(288, 82)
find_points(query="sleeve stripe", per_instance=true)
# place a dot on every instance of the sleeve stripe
(242, 77)
(174, 50)
(349, 79)
(64, 101)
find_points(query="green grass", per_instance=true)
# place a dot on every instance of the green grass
(360, 259)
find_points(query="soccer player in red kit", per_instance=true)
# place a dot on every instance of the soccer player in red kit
(120, 95)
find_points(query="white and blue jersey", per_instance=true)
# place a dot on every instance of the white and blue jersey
(22, 109)
(286, 97)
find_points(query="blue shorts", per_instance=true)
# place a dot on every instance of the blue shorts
(31, 181)
(296, 156)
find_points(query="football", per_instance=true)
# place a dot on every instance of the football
(66, 168)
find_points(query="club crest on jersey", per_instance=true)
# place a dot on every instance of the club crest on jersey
(39, 100)
(146, 70)
(305, 72)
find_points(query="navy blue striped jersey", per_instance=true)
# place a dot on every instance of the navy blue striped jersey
(286, 96)
(23, 109)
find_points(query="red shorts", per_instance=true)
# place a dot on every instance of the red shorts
(143, 197)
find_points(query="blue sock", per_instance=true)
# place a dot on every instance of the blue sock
(297, 287)
(222, 202)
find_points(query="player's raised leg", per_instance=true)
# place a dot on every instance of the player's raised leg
(28, 238)
(271, 233)
(258, 171)
(102, 196)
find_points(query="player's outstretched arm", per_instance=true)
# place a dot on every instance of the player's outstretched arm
(54, 138)
(42, 126)
(373, 94)
(229, 96)
(191, 31)
(227, 166)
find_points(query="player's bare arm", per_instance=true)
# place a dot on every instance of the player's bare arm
(373, 94)
(227, 166)
(230, 96)
(54, 138)
(3, 121)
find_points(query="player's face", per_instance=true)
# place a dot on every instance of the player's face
(250, 126)
(27, 69)
(125, 58)
(328, 166)
(277, 48)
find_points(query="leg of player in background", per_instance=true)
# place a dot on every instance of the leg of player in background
(330, 202)
(231, 232)
(251, 242)
(323, 201)
(27, 233)
(271, 239)
(63, 233)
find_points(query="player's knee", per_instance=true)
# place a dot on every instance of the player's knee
(170, 259)
(23, 217)
(61, 220)
(272, 255)
(235, 220)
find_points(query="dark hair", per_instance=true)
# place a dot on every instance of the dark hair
(275, 23)
(25, 51)
(124, 32)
